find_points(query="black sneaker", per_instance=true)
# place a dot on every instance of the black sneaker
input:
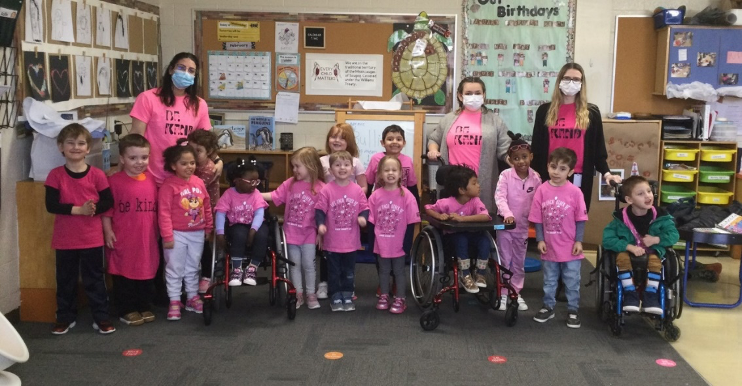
(573, 320)
(651, 304)
(630, 301)
(544, 314)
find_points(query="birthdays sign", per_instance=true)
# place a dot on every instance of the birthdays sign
(517, 47)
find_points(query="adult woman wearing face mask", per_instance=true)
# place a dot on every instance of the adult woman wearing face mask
(569, 121)
(472, 136)
(165, 114)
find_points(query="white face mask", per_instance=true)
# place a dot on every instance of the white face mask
(473, 102)
(570, 88)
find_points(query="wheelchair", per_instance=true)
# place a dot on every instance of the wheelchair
(609, 291)
(435, 272)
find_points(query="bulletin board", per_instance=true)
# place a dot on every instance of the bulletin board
(343, 34)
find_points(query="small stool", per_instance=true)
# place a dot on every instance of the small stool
(532, 265)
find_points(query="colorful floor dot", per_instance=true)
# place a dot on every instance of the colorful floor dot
(132, 352)
(333, 355)
(497, 359)
(665, 362)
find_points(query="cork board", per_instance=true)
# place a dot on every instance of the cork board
(636, 58)
(344, 34)
(136, 39)
(149, 27)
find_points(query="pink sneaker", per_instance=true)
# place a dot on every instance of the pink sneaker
(173, 311)
(398, 307)
(299, 300)
(195, 304)
(383, 303)
(312, 302)
(203, 285)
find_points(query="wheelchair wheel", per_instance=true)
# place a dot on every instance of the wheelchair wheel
(282, 268)
(217, 295)
(208, 304)
(455, 302)
(426, 266)
(672, 332)
(674, 295)
(429, 320)
(228, 301)
(291, 307)
(272, 293)
(616, 327)
(511, 314)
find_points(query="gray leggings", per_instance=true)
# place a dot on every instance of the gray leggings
(303, 258)
(386, 266)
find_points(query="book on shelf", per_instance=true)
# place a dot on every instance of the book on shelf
(733, 223)
(262, 133)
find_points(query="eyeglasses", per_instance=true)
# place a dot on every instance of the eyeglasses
(181, 67)
(521, 146)
(249, 182)
(573, 80)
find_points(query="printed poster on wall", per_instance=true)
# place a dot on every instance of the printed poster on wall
(518, 47)
(288, 72)
(287, 37)
(238, 31)
(239, 75)
(353, 75)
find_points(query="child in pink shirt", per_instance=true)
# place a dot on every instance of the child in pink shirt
(464, 205)
(558, 211)
(392, 209)
(341, 211)
(300, 194)
(184, 216)
(244, 208)
(130, 231)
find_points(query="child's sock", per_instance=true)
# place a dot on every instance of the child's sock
(481, 266)
(236, 262)
(464, 265)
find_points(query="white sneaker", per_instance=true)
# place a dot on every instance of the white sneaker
(503, 303)
(322, 290)
(522, 306)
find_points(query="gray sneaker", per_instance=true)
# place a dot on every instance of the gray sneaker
(337, 305)
(349, 306)
(573, 320)
(544, 314)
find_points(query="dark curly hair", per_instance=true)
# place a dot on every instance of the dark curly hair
(205, 138)
(517, 142)
(173, 153)
(457, 177)
(239, 168)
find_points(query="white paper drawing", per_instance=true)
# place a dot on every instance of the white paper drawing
(102, 27)
(83, 79)
(35, 21)
(103, 76)
(61, 21)
(287, 37)
(121, 33)
(84, 34)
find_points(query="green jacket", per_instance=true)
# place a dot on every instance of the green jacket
(617, 236)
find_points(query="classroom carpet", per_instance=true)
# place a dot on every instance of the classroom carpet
(255, 343)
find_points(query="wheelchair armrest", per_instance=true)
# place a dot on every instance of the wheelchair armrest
(496, 223)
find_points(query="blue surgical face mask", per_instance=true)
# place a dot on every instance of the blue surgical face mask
(182, 79)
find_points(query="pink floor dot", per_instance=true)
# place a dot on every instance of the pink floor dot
(132, 352)
(665, 362)
(497, 359)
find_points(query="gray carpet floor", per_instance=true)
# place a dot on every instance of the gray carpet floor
(254, 343)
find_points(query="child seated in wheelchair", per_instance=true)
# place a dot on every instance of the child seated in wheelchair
(639, 229)
(464, 205)
(244, 207)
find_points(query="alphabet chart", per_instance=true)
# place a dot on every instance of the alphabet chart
(239, 75)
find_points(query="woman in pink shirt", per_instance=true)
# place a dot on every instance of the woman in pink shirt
(165, 114)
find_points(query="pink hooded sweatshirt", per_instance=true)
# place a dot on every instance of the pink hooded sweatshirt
(513, 196)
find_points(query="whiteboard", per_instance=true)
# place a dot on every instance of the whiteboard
(368, 137)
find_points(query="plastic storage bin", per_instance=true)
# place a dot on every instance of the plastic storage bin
(678, 153)
(715, 174)
(668, 17)
(717, 154)
(679, 175)
(671, 193)
(712, 195)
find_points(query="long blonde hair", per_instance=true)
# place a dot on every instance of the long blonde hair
(309, 157)
(582, 118)
(380, 178)
(346, 132)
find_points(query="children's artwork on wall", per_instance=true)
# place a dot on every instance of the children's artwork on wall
(121, 32)
(102, 27)
(103, 76)
(34, 63)
(608, 192)
(682, 39)
(123, 78)
(706, 59)
(59, 74)
(137, 78)
(61, 21)
(34, 21)
(680, 70)
(83, 77)
(726, 79)
(151, 69)
(84, 35)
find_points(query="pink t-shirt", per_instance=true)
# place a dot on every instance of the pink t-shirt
(450, 205)
(357, 168)
(240, 207)
(183, 206)
(391, 212)
(464, 140)
(165, 125)
(408, 170)
(74, 231)
(298, 217)
(566, 134)
(558, 208)
(342, 206)
(134, 220)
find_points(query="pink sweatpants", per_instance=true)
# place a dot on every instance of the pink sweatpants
(512, 247)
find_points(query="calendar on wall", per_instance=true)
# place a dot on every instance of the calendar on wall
(239, 75)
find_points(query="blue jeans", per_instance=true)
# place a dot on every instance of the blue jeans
(462, 240)
(570, 272)
(341, 275)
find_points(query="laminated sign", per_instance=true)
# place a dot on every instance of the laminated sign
(238, 31)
